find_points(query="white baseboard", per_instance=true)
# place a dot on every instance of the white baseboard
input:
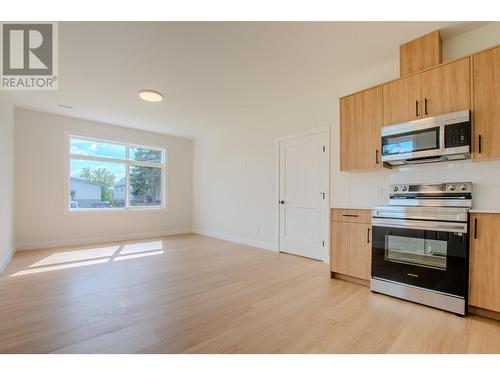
(244, 241)
(4, 262)
(94, 240)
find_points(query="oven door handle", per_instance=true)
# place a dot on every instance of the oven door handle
(438, 226)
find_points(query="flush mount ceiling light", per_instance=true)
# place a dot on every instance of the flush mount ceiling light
(151, 96)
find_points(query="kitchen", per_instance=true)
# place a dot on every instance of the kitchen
(425, 125)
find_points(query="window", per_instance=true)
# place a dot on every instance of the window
(109, 175)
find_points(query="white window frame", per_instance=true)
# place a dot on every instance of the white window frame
(128, 164)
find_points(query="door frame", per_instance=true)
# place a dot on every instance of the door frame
(325, 130)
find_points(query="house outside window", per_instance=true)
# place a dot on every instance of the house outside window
(107, 175)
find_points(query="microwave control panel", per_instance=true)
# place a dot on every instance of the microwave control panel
(457, 135)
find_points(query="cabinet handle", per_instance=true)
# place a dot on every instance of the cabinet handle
(416, 107)
(475, 228)
(349, 215)
(376, 156)
(479, 143)
(368, 236)
(425, 106)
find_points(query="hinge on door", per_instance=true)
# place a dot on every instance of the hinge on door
(324, 148)
(323, 243)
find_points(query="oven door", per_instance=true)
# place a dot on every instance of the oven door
(423, 143)
(425, 254)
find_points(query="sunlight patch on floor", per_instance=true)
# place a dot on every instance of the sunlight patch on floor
(76, 255)
(140, 255)
(60, 267)
(141, 247)
(86, 257)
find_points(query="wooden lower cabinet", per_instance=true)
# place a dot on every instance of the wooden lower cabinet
(350, 246)
(484, 263)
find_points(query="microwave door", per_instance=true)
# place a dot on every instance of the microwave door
(412, 144)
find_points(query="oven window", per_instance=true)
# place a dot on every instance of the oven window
(424, 252)
(422, 140)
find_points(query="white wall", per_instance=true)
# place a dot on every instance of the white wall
(42, 219)
(6, 182)
(234, 167)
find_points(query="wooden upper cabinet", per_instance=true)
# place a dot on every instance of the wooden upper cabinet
(439, 90)
(402, 100)
(360, 125)
(484, 262)
(486, 104)
(446, 88)
(419, 54)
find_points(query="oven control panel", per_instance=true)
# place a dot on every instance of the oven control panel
(446, 194)
(461, 187)
(399, 188)
(442, 188)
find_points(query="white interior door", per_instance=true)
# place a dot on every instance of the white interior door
(303, 196)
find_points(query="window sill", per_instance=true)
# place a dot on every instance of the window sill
(114, 210)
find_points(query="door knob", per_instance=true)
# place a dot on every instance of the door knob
(282, 202)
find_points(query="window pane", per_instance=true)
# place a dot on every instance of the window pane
(145, 186)
(96, 184)
(145, 154)
(93, 148)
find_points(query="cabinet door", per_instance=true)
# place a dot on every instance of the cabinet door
(446, 88)
(360, 124)
(351, 249)
(361, 249)
(402, 100)
(486, 104)
(484, 263)
(339, 248)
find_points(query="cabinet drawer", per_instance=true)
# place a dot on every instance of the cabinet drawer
(351, 215)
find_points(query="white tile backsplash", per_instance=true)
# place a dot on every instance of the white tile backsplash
(367, 189)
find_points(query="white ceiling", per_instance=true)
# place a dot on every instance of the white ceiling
(206, 69)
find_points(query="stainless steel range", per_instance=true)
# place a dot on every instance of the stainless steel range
(420, 247)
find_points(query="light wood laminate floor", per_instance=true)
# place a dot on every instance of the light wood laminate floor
(194, 294)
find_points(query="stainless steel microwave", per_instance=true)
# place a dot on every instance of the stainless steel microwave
(432, 139)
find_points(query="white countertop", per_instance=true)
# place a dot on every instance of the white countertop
(484, 211)
(472, 210)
